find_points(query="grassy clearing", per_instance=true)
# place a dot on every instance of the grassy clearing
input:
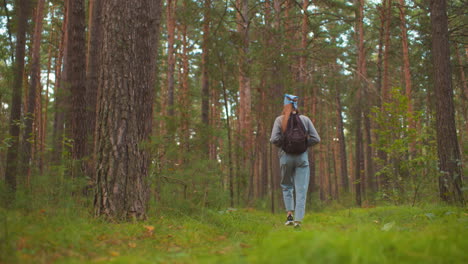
(376, 235)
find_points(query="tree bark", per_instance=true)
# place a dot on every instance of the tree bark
(22, 10)
(171, 20)
(386, 74)
(342, 143)
(450, 181)
(30, 136)
(59, 91)
(184, 93)
(92, 77)
(205, 63)
(463, 91)
(362, 86)
(76, 77)
(245, 99)
(406, 62)
(125, 106)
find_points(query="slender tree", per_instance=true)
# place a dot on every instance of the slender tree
(124, 114)
(450, 181)
(22, 11)
(245, 97)
(30, 136)
(171, 21)
(341, 142)
(362, 86)
(205, 62)
(59, 90)
(387, 9)
(406, 61)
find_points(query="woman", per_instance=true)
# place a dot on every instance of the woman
(294, 166)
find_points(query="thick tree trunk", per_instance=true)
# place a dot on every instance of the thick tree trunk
(92, 76)
(125, 106)
(76, 77)
(22, 10)
(450, 182)
(30, 136)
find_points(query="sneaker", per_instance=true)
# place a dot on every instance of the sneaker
(289, 220)
(297, 225)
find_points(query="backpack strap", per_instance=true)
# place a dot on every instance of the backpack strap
(299, 121)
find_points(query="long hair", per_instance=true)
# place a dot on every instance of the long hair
(287, 110)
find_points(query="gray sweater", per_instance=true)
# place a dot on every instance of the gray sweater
(276, 134)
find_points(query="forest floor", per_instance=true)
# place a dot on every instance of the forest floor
(429, 234)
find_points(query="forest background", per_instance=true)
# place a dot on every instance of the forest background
(173, 102)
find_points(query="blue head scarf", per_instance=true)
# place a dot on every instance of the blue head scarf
(291, 99)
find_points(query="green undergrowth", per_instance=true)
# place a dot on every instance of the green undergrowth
(434, 234)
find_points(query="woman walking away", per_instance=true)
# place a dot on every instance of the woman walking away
(293, 134)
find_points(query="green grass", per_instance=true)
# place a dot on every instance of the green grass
(432, 234)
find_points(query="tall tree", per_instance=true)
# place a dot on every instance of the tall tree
(59, 90)
(171, 21)
(450, 181)
(76, 77)
(342, 142)
(125, 106)
(205, 62)
(22, 10)
(387, 9)
(362, 86)
(92, 69)
(29, 136)
(245, 97)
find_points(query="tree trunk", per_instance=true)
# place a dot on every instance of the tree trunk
(205, 63)
(22, 10)
(184, 93)
(342, 143)
(386, 73)
(450, 182)
(125, 106)
(362, 86)
(406, 63)
(52, 39)
(92, 76)
(244, 78)
(171, 20)
(30, 136)
(59, 91)
(359, 157)
(76, 77)
(463, 92)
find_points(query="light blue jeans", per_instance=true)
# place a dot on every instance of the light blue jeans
(295, 176)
